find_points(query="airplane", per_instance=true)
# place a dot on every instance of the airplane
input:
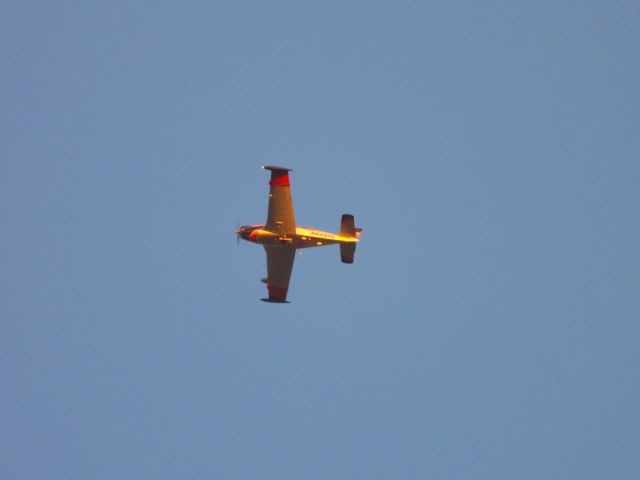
(281, 237)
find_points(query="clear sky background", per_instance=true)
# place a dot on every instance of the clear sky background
(489, 327)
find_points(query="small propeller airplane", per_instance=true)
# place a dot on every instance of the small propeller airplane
(280, 236)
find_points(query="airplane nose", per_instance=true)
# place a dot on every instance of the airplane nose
(243, 233)
(246, 232)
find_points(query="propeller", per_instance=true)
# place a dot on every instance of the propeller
(238, 234)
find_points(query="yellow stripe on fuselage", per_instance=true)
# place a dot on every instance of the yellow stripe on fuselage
(320, 235)
(303, 238)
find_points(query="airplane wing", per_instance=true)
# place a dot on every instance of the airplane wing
(280, 218)
(279, 266)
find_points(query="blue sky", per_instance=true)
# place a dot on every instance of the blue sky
(489, 326)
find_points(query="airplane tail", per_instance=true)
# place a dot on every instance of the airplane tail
(348, 229)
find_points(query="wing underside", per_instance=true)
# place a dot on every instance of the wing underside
(279, 266)
(280, 217)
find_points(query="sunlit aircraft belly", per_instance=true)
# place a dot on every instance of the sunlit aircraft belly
(303, 238)
(315, 238)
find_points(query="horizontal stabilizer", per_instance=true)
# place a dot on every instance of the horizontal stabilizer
(348, 226)
(347, 252)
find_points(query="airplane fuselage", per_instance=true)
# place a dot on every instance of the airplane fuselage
(303, 238)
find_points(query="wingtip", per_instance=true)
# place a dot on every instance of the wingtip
(271, 300)
(275, 168)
